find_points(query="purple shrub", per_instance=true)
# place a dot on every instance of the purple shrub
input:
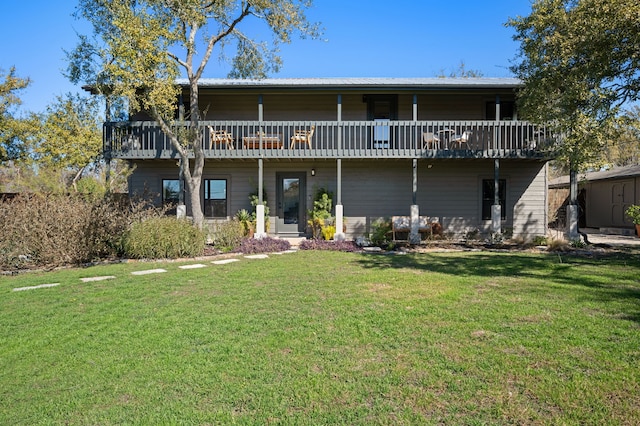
(263, 245)
(346, 246)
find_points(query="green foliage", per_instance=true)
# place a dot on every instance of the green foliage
(540, 240)
(381, 232)
(633, 212)
(579, 62)
(70, 136)
(14, 131)
(319, 217)
(164, 238)
(246, 221)
(227, 236)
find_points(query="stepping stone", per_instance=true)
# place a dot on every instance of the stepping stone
(91, 279)
(194, 266)
(36, 286)
(149, 271)
(224, 261)
(257, 256)
(286, 252)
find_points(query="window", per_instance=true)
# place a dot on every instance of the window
(215, 198)
(170, 191)
(507, 110)
(487, 198)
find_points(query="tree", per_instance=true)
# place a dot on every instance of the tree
(579, 63)
(13, 130)
(462, 72)
(144, 45)
(70, 138)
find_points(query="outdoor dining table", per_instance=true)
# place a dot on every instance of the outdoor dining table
(268, 142)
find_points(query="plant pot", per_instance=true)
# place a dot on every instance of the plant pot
(638, 230)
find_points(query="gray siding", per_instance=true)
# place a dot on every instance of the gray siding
(449, 190)
(308, 106)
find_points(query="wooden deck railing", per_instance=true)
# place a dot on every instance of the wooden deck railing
(331, 139)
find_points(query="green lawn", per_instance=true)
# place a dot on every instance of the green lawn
(327, 338)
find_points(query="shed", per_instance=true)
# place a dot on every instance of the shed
(604, 196)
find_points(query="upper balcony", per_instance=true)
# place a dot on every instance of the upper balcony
(335, 139)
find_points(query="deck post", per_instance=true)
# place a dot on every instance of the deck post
(414, 235)
(260, 207)
(339, 235)
(496, 209)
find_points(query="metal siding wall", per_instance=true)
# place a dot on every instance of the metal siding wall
(450, 190)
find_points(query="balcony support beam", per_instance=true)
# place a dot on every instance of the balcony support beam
(260, 228)
(339, 235)
(496, 209)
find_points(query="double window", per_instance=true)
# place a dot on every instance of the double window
(488, 194)
(215, 198)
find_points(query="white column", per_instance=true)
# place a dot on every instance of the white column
(339, 235)
(414, 235)
(260, 222)
(496, 218)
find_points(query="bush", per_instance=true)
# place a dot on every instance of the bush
(263, 245)
(53, 229)
(346, 246)
(380, 233)
(164, 237)
(227, 236)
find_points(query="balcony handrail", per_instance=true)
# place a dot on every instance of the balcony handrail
(487, 138)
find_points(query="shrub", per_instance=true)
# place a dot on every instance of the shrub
(328, 231)
(164, 237)
(227, 236)
(380, 233)
(263, 245)
(346, 246)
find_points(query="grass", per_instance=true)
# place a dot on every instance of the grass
(327, 338)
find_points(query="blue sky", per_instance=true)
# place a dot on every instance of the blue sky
(367, 38)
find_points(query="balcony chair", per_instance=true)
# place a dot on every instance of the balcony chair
(302, 136)
(220, 137)
(430, 140)
(464, 138)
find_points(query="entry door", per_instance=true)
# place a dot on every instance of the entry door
(382, 109)
(291, 194)
(621, 199)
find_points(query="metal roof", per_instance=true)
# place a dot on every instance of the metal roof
(618, 172)
(360, 83)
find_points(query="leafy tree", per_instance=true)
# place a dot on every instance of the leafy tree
(625, 149)
(143, 46)
(70, 137)
(579, 62)
(13, 130)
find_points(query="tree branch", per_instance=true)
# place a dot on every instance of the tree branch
(214, 40)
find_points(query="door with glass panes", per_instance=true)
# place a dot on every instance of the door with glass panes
(290, 208)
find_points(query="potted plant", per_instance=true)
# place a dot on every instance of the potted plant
(634, 214)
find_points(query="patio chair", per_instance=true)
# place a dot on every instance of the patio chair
(464, 138)
(220, 137)
(302, 136)
(430, 140)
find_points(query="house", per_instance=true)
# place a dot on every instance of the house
(450, 149)
(603, 197)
